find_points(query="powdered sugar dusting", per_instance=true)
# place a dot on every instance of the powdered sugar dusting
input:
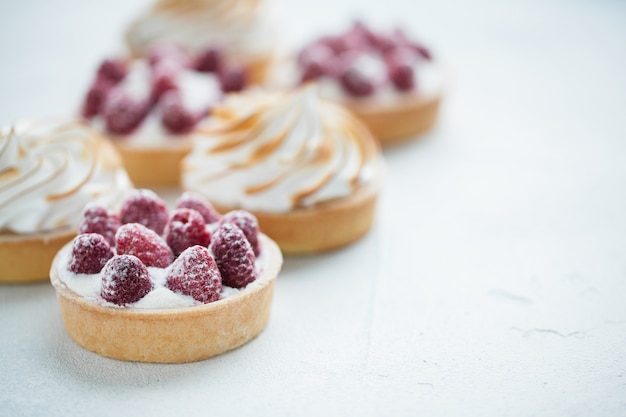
(89, 286)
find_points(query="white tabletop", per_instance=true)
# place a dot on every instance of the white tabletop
(493, 282)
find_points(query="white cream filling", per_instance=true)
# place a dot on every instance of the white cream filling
(89, 286)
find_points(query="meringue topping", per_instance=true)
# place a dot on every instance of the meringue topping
(49, 171)
(238, 26)
(280, 151)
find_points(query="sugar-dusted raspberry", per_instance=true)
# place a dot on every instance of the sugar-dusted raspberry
(248, 224)
(399, 64)
(186, 228)
(163, 78)
(233, 255)
(422, 50)
(195, 273)
(90, 251)
(145, 207)
(232, 79)
(383, 43)
(356, 38)
(356, 83)
(197, 202)
(169, 52)
(113, 70)
(174, 116)
(125, 280)
(401, 39)
(122, 113)
(209, 60)
(96, 97)
(312, 71)
(336, 43)
(361, 30)
(316, 61)
(136, 239)
(97, 219)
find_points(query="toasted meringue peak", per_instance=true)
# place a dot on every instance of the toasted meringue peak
(50, 169)
(240, 27)
(276, 152)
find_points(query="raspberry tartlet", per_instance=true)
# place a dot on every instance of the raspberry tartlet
(154, 285)
(389, 81)
(49, 170)
(241, 28)
(305, 167)
(147, 107)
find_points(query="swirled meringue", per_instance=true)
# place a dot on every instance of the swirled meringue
(279, 152)
(49, 171)
(240, 27)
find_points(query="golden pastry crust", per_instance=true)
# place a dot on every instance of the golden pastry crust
(149, 166)
(325, 226)
(392, 123)
(176, 335)
(27, 258)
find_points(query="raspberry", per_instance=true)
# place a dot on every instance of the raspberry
(423, 51)
(163, 79)
(342, 63)
(195, 273)
(125, 280)
(248, 224)
(312, 71)
(233, 255)
(400, 68)
(185, 229)
(171, 53)
(113, 70)
(355, 83)
(90, 252)
(200, 204)
(96, 97)
(97, 219)
(402, 77)
(316, 61)
(175, 117)
(122, 113)
(335, 43)
(136, 239)
(402, 39)
(383, 43)
(356, 39)
(232, 79)
(318, 52)
(145, 207)
(365, 34)
(209, 60)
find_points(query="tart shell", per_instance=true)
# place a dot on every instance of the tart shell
(175, 335)
(154, 165)
(27, 258)
(325, 226)
(392, 123)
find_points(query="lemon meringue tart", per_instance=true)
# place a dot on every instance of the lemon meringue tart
(242, 29)
(168, 287)
(305, 167)
(49, 170)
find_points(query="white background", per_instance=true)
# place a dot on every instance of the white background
(493, 282)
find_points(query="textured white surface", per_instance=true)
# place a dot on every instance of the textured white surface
(492, 284)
